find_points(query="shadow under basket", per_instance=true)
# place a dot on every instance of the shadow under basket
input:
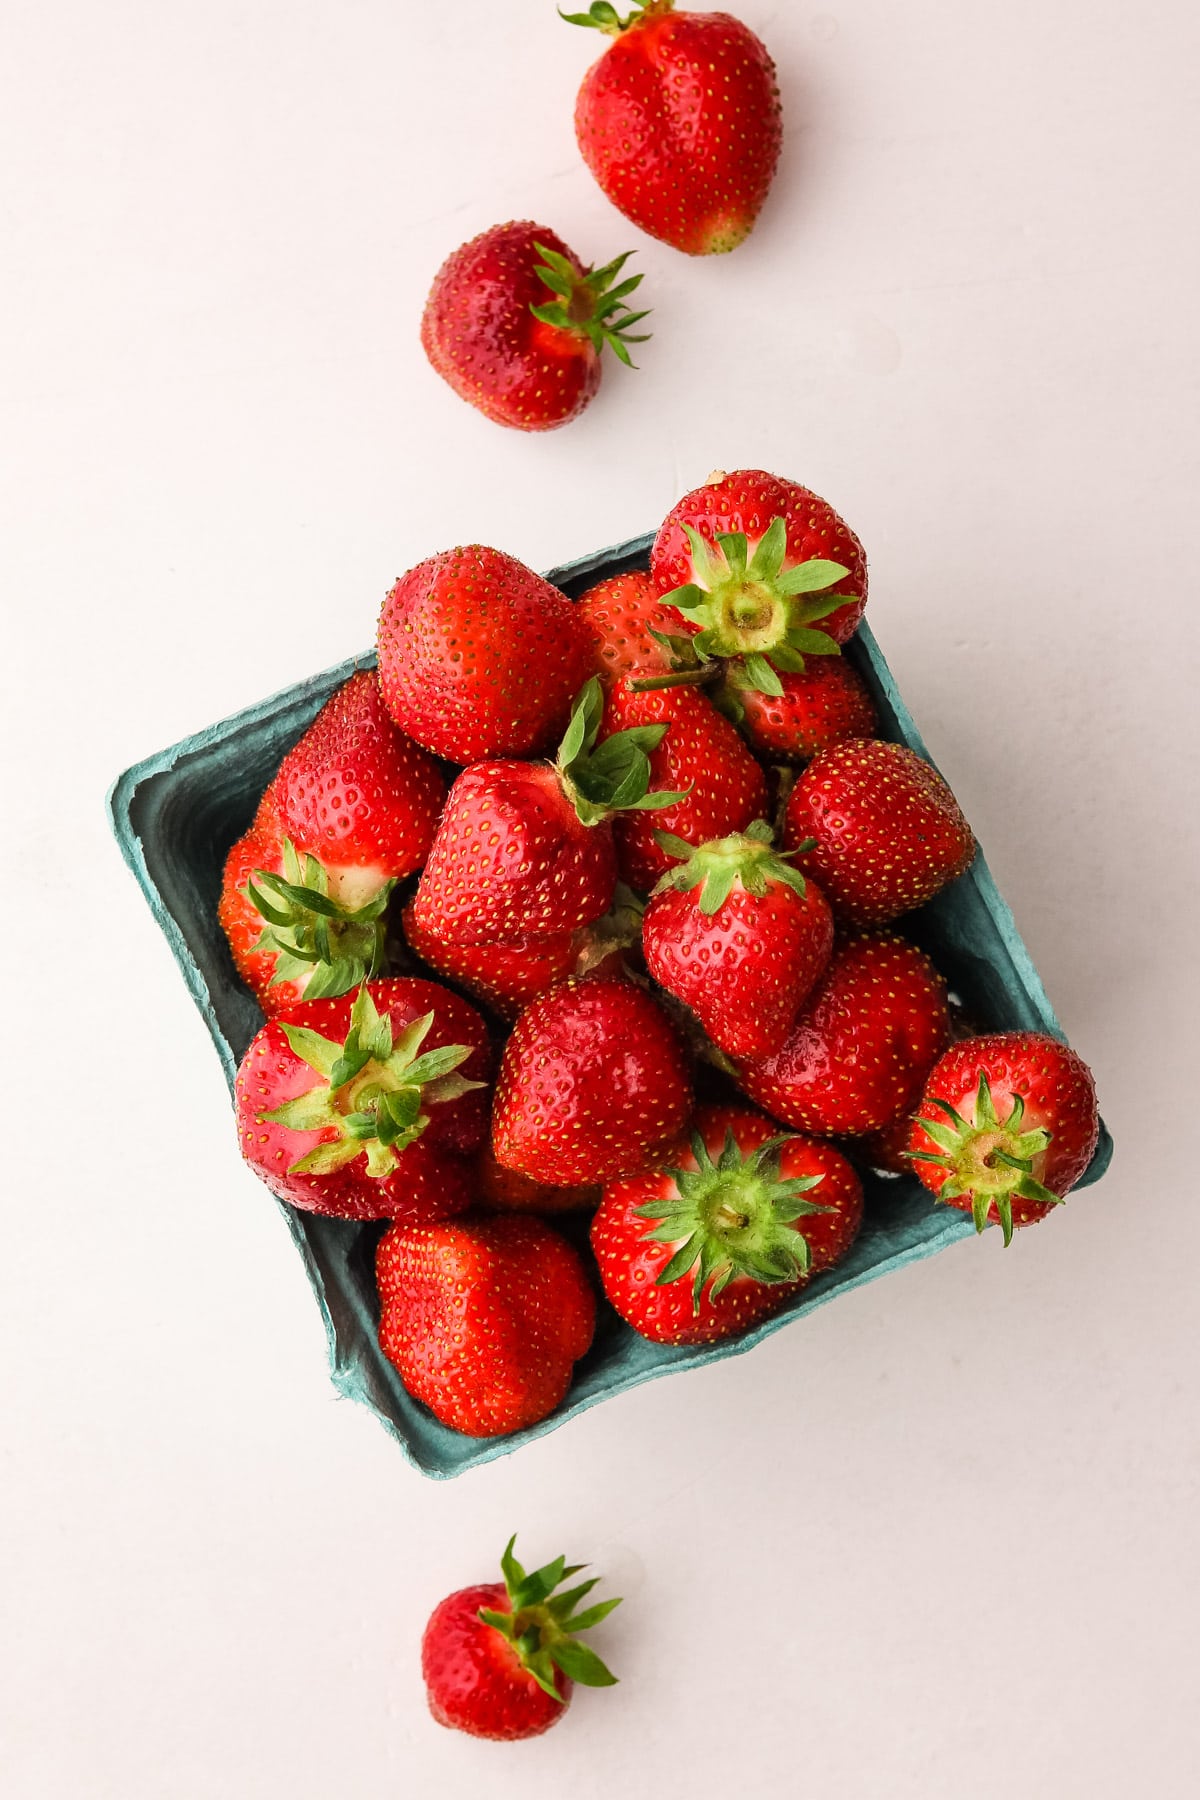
(175, 816)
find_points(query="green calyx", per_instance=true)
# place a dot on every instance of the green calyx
(614, 776)
(753, 608)
(373, 1091)
(988, 1158)
(589, 304)
(716, 867)
(733, 1217)
(603, 17)
(543, 1626)
(312, 938)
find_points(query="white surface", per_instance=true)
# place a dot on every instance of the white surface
(937, 1542)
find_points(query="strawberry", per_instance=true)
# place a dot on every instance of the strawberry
(504, 1190)
(517, 325)
(483, 1318)
(862, 1044)
(1006, 1126)
(826, 703)
(506, 976)
(887, 832)
(593, 1082)
(478, 656)
(719, 788)
(366, 1108)
(628, 620)
(527, 848)
(739, 936)
(680, 123)
(753, 563)
(500, 1659)
(738, 1222)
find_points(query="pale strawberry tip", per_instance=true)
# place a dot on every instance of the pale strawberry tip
(988, 1158)
(601, 779)
(314, 939)
(715, 868)
(543, 1625)
(589, 304)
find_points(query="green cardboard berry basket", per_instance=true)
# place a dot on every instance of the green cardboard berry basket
(175, 816)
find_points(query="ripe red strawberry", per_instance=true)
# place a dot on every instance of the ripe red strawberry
(500, 1659)
(719, 786)
(862, 1045)
(680, 123)
(505, 1190)
(516, 325)
(754, 563)
(506, 976)
(526, 848)
(478, 656)
(484, 1318)
(736, 934)
(623, 614)
(367, 1108)
(737, 1223)
(593, 1082)
(888, 833)
(1006, 1126)
(825, 704)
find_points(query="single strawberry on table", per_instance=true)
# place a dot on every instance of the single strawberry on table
(500, 1659)
(680, 122)
(517, 325)
(1006, 1126)
(739, 936)
(484, 1318)
(368, 1107)
(737, 1221)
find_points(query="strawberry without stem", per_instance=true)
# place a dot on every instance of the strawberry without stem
(824, 704)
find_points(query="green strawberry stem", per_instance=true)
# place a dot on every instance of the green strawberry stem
(313, 939)
(733, 1217)
(600, 779)
(589, 304)
(989, 1158)
(373, 1089)
(753, 608)
(543, 1625)
(687, 668)
(601, 16)
(717, 866)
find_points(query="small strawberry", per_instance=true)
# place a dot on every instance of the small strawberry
(517, 325)
(708, 1246)
(526, 848)
(504, 1190)
(593, 1083)
(862, 1044)
(1006, 1126)
(754, 564)
(680, 123)
(478, 656)
(825, 704)
(739, 936)
(366, 1108)
(484, 1318)
(500, 1659)
(887, 832)
(628, 622)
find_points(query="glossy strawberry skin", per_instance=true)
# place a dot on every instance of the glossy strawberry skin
(432, 1179)
(680, 123)
(621, 613)
(747, 501)
(862, 1045)
(630, 1265)
(504, 977)
(746, 969)
(593, 1083)
(701, 752)
(474, 1678)
(889, 832)
(481, 337)
(825, 704)
(505, 1190)
(479, 657)
(484, 1318)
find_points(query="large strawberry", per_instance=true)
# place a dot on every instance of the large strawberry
(862, 1044)
(500, 1659)
(593, 1083)
(478, 656)
(825, 703)
(739, 936)
(516, 324)
(367, 1108)
(526, 848)
(884, 831)
(484, 1318)
(680, 123)
(755, 565)
(1006, 1126)
(717, 1240)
